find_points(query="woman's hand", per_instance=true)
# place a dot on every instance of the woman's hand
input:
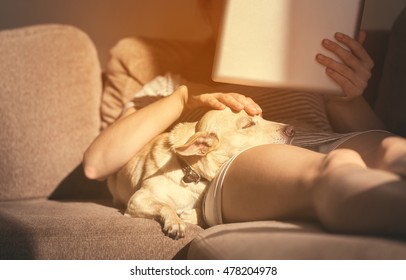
(350, 112)
(198, 97)
(220, 101)
(353, 73)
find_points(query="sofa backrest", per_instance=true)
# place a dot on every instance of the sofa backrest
(50, 89)
(391, 100)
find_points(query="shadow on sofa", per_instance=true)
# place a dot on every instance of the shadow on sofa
(72, 187)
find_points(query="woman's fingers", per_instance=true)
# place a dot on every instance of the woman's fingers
(239, 102)
(353, 70)
(234, 101)
(356, 48)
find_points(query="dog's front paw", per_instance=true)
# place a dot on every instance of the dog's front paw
(192, 216)
(174, 228)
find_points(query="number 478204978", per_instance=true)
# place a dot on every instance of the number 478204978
(248, 270)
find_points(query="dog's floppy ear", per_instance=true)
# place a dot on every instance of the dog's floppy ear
(200, 144)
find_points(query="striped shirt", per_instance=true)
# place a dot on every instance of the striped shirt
(305, 111)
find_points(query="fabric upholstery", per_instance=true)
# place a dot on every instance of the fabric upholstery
(391, 102)
(283, 241)
(50, 90)
(136, 61)
(46, 229)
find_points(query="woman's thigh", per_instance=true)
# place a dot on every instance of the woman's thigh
(269, 182)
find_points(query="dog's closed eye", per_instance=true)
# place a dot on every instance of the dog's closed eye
(247, 123)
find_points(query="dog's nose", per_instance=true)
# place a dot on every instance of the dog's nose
(289, 131)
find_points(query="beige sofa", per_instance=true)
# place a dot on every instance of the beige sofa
(50, 90)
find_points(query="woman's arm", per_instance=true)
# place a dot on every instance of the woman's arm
(353, 115)
(351, 112)
(118, 143)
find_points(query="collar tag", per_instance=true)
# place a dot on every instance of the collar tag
(190, 175)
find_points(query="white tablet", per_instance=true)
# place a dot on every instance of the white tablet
(273, 43)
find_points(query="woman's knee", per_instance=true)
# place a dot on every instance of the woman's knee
(391, 155)
(333, 187)
(339, 158)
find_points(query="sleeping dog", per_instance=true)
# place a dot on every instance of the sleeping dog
(166, 180)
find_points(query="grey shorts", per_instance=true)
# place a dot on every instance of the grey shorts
(211, 207)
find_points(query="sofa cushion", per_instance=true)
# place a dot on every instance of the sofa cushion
(283, 241)
(391, 101)
(50, 90)
(46, 229)
(134, 61)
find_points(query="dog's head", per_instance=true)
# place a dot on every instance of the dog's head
(220, 134)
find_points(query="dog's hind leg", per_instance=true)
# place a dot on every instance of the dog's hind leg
(144, 205)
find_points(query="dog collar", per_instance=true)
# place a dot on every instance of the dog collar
(190, 176)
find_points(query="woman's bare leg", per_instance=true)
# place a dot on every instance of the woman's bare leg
(380, 150)
(338, 189)
(362, 185)
(352, 198)
(391, 155)
(270, 182)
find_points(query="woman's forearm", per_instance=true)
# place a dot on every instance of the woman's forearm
(353, 115)
(117, 144)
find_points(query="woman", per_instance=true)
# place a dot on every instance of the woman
(356, 186)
